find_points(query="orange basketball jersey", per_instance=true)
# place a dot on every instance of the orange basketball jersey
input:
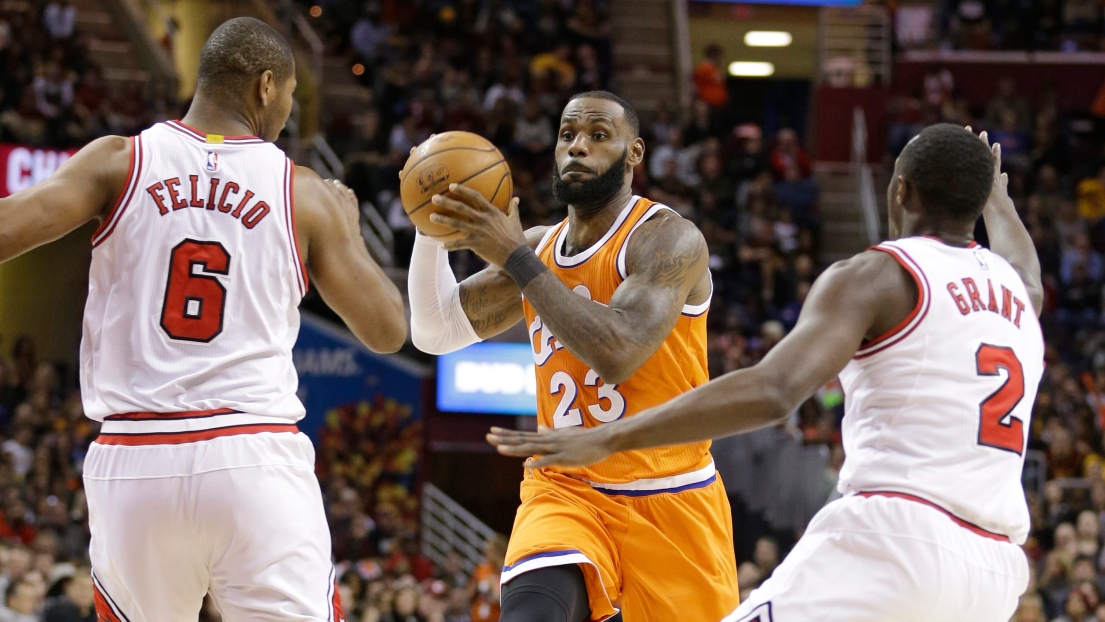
(569, 393)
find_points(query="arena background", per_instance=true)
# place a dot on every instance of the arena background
(772, 125)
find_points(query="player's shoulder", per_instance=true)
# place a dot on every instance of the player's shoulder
(871, 269)
(665, 234)
(107, 151)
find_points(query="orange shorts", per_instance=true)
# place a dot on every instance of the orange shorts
(661, 556)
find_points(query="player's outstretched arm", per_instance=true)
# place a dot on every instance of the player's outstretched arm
(667, 257)
(80, 190)
(854, 299)
(1008, 236)
(356, 288)
(447, 316)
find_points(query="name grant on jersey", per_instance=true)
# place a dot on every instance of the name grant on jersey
(168, 198)
(1010, 308)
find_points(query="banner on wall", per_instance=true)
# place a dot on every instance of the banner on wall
(25, 166)
(339, 379)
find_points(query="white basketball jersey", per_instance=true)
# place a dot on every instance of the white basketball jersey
(939, 408)
(195, 282)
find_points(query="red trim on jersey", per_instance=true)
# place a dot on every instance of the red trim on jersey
(103, 610)
(105, 606)
(191, 414)
(194, 436)
(293, 233)
(923, 300)
(128, 190)
(202, 137)
(336, 613)
(958, 521)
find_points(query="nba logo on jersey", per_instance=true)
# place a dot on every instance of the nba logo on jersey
(212, 162)
(982, 260)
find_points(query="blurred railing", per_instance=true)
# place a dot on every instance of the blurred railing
(448, 527)
(864, 176)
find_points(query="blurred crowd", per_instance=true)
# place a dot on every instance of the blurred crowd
(1067, 25)
(53, 95)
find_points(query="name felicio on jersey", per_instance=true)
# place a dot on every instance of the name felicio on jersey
(224, 197)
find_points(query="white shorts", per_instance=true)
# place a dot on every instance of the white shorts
(240, 517)
(868, 559)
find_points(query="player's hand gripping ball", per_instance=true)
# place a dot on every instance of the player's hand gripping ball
(452, 158)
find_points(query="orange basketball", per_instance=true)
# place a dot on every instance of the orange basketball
(452, 157)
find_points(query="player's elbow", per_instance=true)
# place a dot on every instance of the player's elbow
(436, 339)
(614, 370)
(778, 398)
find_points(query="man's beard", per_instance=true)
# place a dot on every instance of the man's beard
(590, 191)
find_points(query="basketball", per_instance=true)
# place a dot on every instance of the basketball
(447, 158)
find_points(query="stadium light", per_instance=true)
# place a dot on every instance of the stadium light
(746, 69)
(767, 38)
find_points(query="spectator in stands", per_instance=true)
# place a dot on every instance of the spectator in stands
(788, 160)
(484, 585)
(533, 135)
(368, 35)
(22, 602)
(556, 62)
(674, 159)
(1091, 197)
(77, 603)
(709, 78)
(1015, 150)
(1008, 101)
(60, 19)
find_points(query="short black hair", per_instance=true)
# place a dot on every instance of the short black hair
(238, 52)
(630, 113)
(951, 170)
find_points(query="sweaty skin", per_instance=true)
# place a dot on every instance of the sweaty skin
(326, 213)
(666, 260)
(853, 300)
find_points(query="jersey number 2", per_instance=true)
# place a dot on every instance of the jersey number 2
(194, 297)
(999, 428)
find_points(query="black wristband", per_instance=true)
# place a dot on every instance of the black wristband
(523, 266)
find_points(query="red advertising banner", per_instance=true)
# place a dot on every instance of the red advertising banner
(22, 167)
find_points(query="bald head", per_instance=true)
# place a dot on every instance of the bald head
(237, 54)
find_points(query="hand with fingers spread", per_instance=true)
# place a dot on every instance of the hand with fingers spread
(569, 447)
(999, 194)
(486, 230)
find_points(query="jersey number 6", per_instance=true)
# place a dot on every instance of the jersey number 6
(194, 297)
(999, 428)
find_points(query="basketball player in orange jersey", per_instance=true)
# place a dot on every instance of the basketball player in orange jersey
(615, 298)
(199, 481)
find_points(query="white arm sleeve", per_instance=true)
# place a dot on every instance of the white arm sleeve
(438, 322)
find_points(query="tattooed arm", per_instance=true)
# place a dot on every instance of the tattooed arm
(491, 299)
(667, 265)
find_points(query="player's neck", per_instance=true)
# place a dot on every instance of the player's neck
(588, 223)
(952, 236)
(210, 118)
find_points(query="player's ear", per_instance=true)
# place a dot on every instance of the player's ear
(266, 87)
(905, 191)
(636, 153)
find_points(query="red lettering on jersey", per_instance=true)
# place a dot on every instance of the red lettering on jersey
(211, 193)
(993, 299)
(196, 201)
(154, 191)
(238, 212)
(178, 203)
(1020, 308)
(972, 293)
(1006, 303)
(960, 301)
(230, 186)
(255, 214)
